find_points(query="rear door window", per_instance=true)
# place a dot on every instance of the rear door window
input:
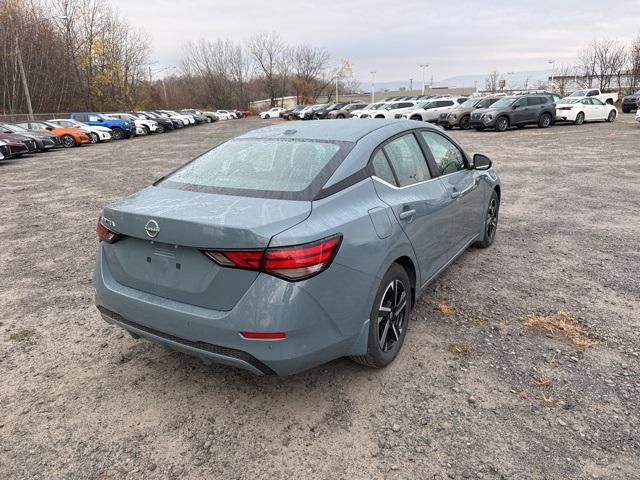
(382, 169)
(407, 160)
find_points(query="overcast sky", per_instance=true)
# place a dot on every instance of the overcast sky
(455, 37)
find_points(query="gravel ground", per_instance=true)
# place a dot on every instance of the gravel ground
(473, 394)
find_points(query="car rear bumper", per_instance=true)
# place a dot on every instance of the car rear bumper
(313, 336)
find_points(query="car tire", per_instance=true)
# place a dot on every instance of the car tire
(417, 118)
(340, 116)
(626, 110)
(465, 122)
(388, 327)
(490, 222)
(544, 121)
(502, 123)
(117, 133)
(160, 128)
(267, 117)
(579, 119)
(68, 141)
(147, 130)
(612, 116)
(93, 138)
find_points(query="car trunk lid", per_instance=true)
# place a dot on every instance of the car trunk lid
(169, 263)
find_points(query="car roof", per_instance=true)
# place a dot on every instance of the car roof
(335, 130)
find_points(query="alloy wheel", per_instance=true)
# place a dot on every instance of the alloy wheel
(68, 141)
(391, 315)
(94, 138)
(492, 218)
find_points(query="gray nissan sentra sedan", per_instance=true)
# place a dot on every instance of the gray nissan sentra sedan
(293, 245)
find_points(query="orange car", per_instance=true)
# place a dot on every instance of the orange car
(69, 137)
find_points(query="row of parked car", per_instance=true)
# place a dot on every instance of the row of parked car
(498, 111)
(81, 128)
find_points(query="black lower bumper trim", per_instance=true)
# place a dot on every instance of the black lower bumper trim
(204, 346)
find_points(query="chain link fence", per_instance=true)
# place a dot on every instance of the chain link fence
(22, 117)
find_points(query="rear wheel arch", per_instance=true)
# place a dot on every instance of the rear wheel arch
(406, 263)
(497, 190)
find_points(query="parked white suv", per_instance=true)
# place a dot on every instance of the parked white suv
(391, 109)
(147, 126)
(272, 113)
(430, 111)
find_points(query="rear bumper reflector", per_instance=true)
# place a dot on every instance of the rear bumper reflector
(264, 335)
(204, 346)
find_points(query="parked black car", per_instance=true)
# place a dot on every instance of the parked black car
(291, 112)
(631, 102)
(516, 111)
(44, 141)
(322, 113)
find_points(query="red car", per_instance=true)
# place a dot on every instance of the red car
(245, 113)
(18, 144)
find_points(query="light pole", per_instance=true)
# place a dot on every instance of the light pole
(337, 77)
(373, 86)
(423, 66)
(164, 87)
(553, 67)
(411, 85)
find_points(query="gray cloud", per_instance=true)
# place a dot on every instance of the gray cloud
(455, 38)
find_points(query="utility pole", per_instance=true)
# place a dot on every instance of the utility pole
(25, 85)
(423, 66)
(553, 68)
(373, 87)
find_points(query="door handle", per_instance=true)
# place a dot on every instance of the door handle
(406, 214)
(456, 193)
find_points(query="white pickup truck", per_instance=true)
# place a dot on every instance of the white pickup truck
(610, 98)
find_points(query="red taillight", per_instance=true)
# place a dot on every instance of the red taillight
(297, 262)
(106, 235)
(264, 335)
(565, 108)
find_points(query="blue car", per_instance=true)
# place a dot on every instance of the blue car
(119, 128)
(290, 246)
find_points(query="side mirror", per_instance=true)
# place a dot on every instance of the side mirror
(481, 162)
(515, 106)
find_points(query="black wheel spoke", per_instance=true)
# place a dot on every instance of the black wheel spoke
(391, 313)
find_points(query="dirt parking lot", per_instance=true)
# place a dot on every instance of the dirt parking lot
(475, 393)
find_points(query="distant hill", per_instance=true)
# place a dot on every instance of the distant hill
(513, 79)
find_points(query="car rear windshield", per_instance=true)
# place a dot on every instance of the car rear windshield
(272, 168)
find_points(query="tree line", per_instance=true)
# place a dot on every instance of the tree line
(605, 64)
(81, 55)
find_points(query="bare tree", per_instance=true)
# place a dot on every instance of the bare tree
(603, 61)
(563, 78)
(491, 82)
(308, 67)
(634, 64)
(271, 58)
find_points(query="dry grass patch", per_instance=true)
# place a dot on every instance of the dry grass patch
(446, 309)
(563, 324)
(459, 348)
(21, 335)
(543, 382)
